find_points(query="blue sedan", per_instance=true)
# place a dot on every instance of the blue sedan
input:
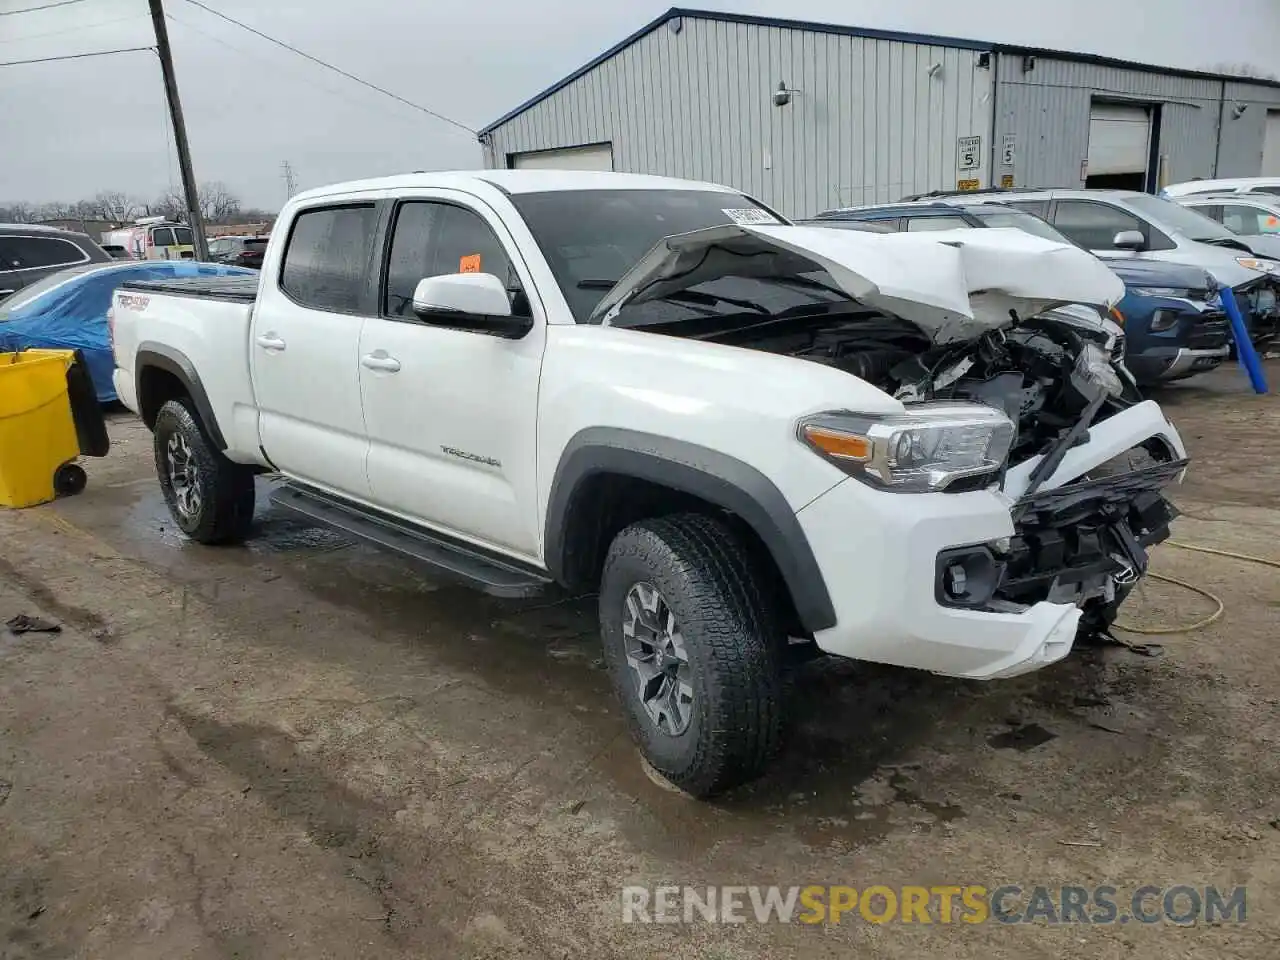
(67, 310)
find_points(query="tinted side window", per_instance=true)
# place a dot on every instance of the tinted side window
(1271, 190)
(1094, 225)
(162, 237)
(1248, 221)
(326, 262)
(1212, 211)
(430, 239)
(25, 253)
(1039, 207)
(923, 224)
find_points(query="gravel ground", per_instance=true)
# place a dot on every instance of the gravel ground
(302, 748)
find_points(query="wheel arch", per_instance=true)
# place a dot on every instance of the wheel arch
(602, 464)
(158, 369)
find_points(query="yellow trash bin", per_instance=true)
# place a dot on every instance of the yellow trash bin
(38, 441)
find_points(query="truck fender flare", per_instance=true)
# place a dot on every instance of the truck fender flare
(163, 357)
(710, 475)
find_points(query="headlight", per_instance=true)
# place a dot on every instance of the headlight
(1256, 263)
(1175, 293)
(926, 449)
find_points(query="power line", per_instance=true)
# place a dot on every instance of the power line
(86, 26)
(47, 6)
(338, 70)
(76, 56)
(283, 67)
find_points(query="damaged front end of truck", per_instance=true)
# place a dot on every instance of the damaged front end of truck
(991, 317)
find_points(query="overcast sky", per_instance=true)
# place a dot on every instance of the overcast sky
(72, 128)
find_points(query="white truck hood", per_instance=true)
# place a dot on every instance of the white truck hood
(953, 284)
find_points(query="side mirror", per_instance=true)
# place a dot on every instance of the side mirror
(1129, 240)
(469, 301)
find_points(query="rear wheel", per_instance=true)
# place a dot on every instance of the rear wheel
(693, 651)
(210, 498)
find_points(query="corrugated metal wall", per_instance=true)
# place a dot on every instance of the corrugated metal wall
(869, 121)
(1047, 109)
(1242, 136)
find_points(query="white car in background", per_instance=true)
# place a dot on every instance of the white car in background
(1270, 185)
(1253, 216)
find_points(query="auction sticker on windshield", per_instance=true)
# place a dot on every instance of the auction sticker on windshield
(750, 215)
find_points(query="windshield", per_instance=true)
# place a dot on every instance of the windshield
(590, 238)
(1026, 222)
(1180, 219)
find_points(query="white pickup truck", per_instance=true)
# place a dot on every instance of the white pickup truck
(751, 438)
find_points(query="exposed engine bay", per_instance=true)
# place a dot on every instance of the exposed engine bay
(1054, 376)
(1043, 373)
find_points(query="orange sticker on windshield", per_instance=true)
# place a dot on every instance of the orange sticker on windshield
(469, 264)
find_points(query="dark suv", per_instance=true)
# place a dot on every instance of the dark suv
(30, 252)
(1174, 326)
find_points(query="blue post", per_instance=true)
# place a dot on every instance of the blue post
(1244, 346)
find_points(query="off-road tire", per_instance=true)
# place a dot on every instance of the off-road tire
(226, 509)
(733, 639)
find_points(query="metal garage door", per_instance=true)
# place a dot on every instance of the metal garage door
(597, 156)
(1271, 146)
(1119, 138)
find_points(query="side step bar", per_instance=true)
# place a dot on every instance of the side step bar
(462, 562)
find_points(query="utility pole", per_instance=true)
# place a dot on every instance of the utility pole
(179, 131)
(290, 186)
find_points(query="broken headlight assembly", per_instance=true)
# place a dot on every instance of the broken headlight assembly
(929, 448)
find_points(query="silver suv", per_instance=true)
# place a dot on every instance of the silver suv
(1125, 224)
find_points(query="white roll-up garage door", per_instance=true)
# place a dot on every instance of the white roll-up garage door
(1271, 146)
(1119, 137)
(597, 156)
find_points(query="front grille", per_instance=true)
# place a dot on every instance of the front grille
(1209, 333)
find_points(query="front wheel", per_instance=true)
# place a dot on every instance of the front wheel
(693, 651)
(210, 498)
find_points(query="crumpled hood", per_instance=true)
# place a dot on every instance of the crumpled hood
(953, 284)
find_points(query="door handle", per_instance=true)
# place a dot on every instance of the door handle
(380, 361)
(270, 342)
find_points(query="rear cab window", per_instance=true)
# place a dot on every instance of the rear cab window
(29, 253)
(327, 256)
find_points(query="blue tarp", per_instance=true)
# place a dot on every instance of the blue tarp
(73, 315)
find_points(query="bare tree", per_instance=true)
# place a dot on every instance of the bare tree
(217, 202)
(1246, 70)
(170, 204)
(112, 205)
(18, 212)
(53, 211)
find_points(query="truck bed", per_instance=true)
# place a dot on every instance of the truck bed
(239, 289)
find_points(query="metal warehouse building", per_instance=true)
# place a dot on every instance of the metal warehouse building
(808, 116)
